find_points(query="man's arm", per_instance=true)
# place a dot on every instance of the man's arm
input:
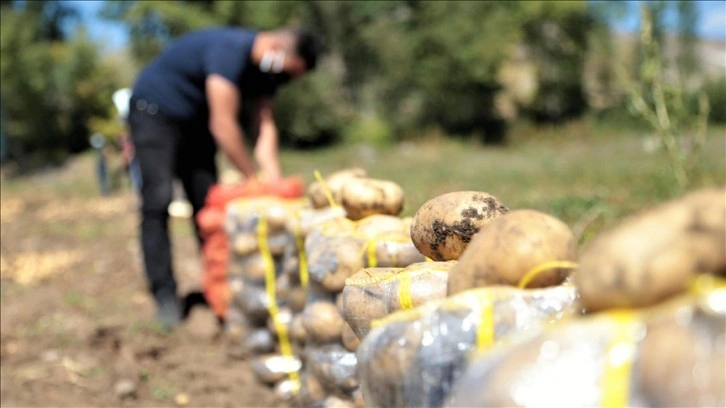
(266, 149)
(224, 100)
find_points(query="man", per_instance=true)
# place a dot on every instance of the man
(184, 105)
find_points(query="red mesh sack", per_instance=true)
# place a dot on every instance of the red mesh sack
(215, 250)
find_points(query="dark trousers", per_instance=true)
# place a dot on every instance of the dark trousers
(167, 149)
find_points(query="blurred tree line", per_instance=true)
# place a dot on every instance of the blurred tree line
(393, 70)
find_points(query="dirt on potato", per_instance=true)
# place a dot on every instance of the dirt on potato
(76, 327)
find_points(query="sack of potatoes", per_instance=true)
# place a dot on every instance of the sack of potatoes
(668, 355)
(372, 293)
(442, 227)
(412, 358)
(652, 255)
(337, 250)
(509, 246)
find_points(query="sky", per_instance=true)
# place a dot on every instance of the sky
(114, 35)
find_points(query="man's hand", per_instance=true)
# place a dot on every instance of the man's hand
(266, 149)
(224, 100)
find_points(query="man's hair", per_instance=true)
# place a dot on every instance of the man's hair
(305, 44)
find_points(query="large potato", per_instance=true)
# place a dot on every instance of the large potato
(363, 197)
(653, 255)
(508, 247)
(322, 322)
(442, 228)
(335, 183)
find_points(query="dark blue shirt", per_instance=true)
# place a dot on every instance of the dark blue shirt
(175, 80)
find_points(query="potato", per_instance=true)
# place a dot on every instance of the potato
(349, 339)
(333, 260)
(322, 322)
(362, 197)
(335, 183)
(272, 368)
(377, 224)
(651, 256)
(258, 341)
(385, 361)
(442, 228)
(334, 367)
(296, 299)
(244, 244)
(682, 361)
(504, 250)
(311, 391)
(362, 300)
(297, 330)
(253, 267)
(254, 302)
(392, 249)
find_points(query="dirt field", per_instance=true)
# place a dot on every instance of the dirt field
(76, 325)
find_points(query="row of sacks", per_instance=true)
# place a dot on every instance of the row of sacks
(289, 263)
(637, 319)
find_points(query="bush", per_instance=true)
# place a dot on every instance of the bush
(716, 92)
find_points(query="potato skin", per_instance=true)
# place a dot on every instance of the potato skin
(323, 322)
(653, 255)
(362, 197)
(508, 247)
(443, 226)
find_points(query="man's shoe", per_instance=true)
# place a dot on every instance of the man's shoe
(169, 312)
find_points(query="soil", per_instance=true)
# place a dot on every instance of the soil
(77, 324)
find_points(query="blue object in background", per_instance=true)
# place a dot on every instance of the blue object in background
(98, 142)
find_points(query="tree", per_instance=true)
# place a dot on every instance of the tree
(53, 83)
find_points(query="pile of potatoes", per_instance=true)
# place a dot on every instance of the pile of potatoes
(489, 250)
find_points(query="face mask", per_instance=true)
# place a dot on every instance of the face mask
(272, 62)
